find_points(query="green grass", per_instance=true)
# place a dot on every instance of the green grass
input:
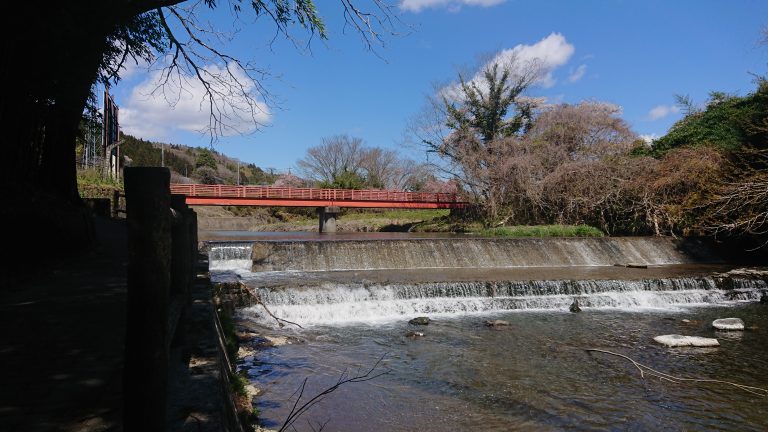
(91, 184)
(396, 214)
(542, 231)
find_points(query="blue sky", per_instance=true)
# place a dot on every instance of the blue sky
(635, 54)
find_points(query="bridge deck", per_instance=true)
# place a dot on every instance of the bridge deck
(220, 195)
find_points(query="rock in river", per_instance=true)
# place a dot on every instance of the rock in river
(575, 306)
(728, 324)
(674, 340)
(496, 323)
(419, 321)
(414, 334)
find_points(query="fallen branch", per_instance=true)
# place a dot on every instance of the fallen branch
(257, 299)
(297, 410)
(679, 380)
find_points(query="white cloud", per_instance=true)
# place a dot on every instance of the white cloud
(648, 138)
(661, 111)
(153, 112)
(132, 68)
(547, 55)
(544, 56)
(577, 74)
(452, 5)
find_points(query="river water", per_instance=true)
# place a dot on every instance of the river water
(531, 375)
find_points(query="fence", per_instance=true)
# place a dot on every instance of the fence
(162, 247)
(268, 192)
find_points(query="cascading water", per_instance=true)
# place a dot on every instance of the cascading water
(338, 304)
(230, 256)
(302, 296)
(467, 253)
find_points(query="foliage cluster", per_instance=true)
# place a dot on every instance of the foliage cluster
(581, 164)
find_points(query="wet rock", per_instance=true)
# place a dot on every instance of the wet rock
(245, 336)
(764, 298)
(245, 351)
(496, 323)
(728, 324)
(575, 306)
(273, 341)
(419, 321)
(690, 322)
(252, 391)
(674, 340)
(414, 334)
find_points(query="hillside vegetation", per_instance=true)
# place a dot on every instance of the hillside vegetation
(193, 164)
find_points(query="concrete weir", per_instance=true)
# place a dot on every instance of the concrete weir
(469, 253)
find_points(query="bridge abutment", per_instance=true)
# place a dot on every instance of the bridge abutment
(327, 217)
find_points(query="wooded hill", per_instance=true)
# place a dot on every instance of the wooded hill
(193, 164)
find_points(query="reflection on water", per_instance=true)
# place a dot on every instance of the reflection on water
(532, 375)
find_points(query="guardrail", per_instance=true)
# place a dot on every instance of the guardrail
(269, 192)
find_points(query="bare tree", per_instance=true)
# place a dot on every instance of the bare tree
(379, 166)
(385, 169)
(739, 205)
(585, 131)
(336, 156)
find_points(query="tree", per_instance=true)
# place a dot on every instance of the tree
(339, 155)
(346, 162)
(727, 123)
(474, 125)
(345, 180)
(585, 131)
(205, 159)
(289, 181)
(53, 53)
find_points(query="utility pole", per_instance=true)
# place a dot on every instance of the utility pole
(238, 172)
(162, 154)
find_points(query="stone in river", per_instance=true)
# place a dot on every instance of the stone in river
(496, 323)
(414, 334)
(575, 306)
(728, 324)
(419, 321)
(674, 340)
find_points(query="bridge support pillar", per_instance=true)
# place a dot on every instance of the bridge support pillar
(327, 217)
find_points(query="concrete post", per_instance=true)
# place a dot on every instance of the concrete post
(327, 217)
(148, 202)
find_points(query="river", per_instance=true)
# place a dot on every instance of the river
(533, 374)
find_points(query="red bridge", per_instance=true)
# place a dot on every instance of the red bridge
(221, 195)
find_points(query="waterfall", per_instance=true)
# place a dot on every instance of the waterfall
(338, 304)
(472, 253)
(230, 256)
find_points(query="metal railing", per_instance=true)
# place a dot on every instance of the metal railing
(268, 192)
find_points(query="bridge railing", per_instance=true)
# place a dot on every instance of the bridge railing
(269, 192)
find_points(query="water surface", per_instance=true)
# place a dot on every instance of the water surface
(532, 375)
